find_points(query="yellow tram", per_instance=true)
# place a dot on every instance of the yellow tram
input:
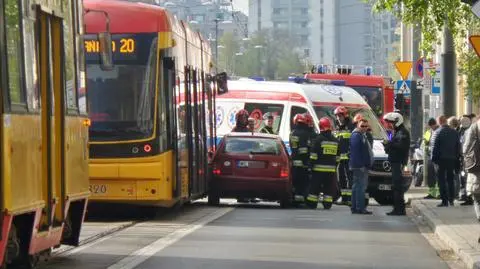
(151, 111)
(44, 184)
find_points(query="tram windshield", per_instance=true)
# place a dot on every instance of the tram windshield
(122, 101)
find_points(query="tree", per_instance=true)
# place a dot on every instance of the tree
(228, 46)
(434, 15)
(268, 53)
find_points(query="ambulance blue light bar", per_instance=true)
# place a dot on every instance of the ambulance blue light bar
(302, 80)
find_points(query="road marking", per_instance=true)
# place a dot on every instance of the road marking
(143, 254)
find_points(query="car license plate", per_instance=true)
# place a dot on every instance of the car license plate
(242, 164)
(98, 188)
(385, 187)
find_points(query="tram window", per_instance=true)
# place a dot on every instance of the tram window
(14, 52)
(32, 86)
(69, 49)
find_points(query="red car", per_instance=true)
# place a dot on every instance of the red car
(250, 165)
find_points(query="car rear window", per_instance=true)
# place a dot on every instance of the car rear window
(254, 145)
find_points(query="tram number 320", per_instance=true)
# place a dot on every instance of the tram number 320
(96, 189)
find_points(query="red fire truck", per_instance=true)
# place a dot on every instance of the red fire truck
(378, 91)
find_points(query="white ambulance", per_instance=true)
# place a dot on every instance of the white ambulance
(284, 100)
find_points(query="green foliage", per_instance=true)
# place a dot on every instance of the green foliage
(267, 53)
(433, 15)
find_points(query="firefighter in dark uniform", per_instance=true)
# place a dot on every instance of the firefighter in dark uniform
(241, 124)
(300, 146)
(323, 164)
(343, 133)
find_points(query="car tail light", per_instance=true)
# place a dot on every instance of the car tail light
(216, 169)
(284, 172)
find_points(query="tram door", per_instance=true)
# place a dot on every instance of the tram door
(50, 49)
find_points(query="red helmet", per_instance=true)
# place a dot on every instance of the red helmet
(358, 117)
(299, 118)
(308, 119)
(325, 124)
(241, 113)
(341, 110)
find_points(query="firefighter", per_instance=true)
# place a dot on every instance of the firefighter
(299, 143)
(241, 124)
(323, 164)
(344, 130)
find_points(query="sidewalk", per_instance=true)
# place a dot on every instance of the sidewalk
(456, 226)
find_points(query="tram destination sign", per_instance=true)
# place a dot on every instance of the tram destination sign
(126, 48)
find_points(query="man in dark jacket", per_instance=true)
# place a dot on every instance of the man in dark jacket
(361, 159)
(397, 149)
(446, 153)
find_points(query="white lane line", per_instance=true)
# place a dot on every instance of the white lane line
(143, 254)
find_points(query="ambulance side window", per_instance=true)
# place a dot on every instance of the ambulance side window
(294, 111)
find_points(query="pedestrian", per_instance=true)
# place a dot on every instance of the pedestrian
(433, 192)
(397, 149)
(465, 123)
(446, 153)
(361, 159)
(471, 159)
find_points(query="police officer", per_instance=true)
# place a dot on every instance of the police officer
(323, 164)
(343, 134)
(397, 150)
(300, 146)
(268, 128)
(241, 124)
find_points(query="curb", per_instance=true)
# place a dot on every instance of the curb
(95, 237)
(470, 256)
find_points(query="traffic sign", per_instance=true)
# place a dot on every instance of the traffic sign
(403, 87)
(475, 41)
(436, 83)
(403, 68)
(419, 67)
(476, 9)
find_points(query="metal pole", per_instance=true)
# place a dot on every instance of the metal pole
(416, 106)
(216, 45)
(449, 74)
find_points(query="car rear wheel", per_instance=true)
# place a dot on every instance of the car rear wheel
(213, 199)
(384, 198)
(285, 203)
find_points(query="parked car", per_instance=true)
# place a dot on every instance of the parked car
(251, 165)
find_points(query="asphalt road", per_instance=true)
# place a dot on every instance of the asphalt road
(260, 236)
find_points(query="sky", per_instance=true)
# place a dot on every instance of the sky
(241, 5)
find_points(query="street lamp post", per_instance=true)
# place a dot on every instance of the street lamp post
(217, 20)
